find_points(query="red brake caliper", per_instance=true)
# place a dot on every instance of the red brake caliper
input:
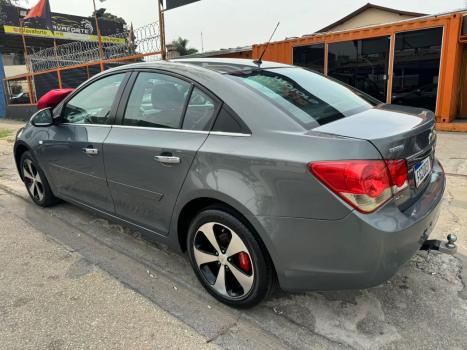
(244, 261)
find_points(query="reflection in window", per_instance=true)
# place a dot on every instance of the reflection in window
(199, 111)
(310, 56)
(362, 64)
(308, 97)
(157, 100)
(92, 104)
(416, 68)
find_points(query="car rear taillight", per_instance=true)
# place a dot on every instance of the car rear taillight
(364, 184)
(399, 174)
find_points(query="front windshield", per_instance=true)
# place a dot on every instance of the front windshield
(309, 98)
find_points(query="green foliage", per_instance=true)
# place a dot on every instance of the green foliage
(9, 2)
(6, 2)
(4, 133)
(101, 13)
(181, 46)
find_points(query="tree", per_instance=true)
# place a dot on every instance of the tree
(6, 2)
(101, 13)
(181, 46)
(9, 2)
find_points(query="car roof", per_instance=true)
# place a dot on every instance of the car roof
(228, 65)
(221, 65)
(211, 74)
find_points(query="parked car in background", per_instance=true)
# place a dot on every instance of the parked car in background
(259, 171)
(21, 98)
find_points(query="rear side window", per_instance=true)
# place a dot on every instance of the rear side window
(200, 111)
(157, 100)
(228, 121)
(309, 98)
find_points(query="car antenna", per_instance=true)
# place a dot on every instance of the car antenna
(259, 61)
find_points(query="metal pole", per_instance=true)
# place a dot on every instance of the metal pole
(202, 42)
(99, 37)
(162, 30)
(26, 59)
(24, 45)
(21, 23)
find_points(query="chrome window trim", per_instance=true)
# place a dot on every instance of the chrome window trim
(225, 133)
(160, 129)
(218, 133)
(78, 124)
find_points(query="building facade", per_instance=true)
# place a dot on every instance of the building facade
(417, 61)
(37, 36)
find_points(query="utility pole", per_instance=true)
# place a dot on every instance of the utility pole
(162, 29)
(99, 37)
(202, 42)
(26, 58)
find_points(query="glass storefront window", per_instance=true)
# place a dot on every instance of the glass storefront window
(416, 68)
(310, 56)
(362, 64)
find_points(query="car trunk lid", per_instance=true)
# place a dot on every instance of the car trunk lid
(398, 133)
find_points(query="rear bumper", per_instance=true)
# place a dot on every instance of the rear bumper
(358, 251)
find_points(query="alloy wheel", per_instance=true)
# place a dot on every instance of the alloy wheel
(223, 260)
(33, 180)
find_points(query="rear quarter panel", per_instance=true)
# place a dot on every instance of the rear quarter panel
(268, 174)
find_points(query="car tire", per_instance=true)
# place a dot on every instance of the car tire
(35, 181)
(248, 274)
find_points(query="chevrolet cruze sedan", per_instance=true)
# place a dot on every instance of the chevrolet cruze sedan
(260, 172)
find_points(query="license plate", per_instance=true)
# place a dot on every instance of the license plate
(422, 170)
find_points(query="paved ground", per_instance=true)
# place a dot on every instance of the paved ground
(53, 298)
(70, 279)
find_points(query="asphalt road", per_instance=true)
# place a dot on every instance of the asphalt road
(70, 279)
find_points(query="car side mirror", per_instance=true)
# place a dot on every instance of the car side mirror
(43, 117)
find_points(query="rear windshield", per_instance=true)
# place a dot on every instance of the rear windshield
(309, 98)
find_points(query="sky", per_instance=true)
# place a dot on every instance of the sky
(232, 23)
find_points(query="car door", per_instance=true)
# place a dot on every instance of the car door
(148, 156)
(73, 151)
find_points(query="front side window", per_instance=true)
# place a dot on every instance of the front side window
(92, 105)
(157, 100)
(309, 98)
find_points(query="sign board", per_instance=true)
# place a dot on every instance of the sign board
(65, 26)
(171, 4)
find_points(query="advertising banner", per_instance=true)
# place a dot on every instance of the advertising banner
(65, 26)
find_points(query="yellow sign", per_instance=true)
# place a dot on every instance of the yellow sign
(45, 33)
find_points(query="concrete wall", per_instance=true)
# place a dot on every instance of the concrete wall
(11, 71)
(20, 112)
(369, 17)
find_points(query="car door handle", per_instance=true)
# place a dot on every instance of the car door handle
(90, 150)
(167, 159)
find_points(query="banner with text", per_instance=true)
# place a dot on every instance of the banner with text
(67, 27)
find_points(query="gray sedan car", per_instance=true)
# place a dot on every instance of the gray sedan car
(260, 172)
